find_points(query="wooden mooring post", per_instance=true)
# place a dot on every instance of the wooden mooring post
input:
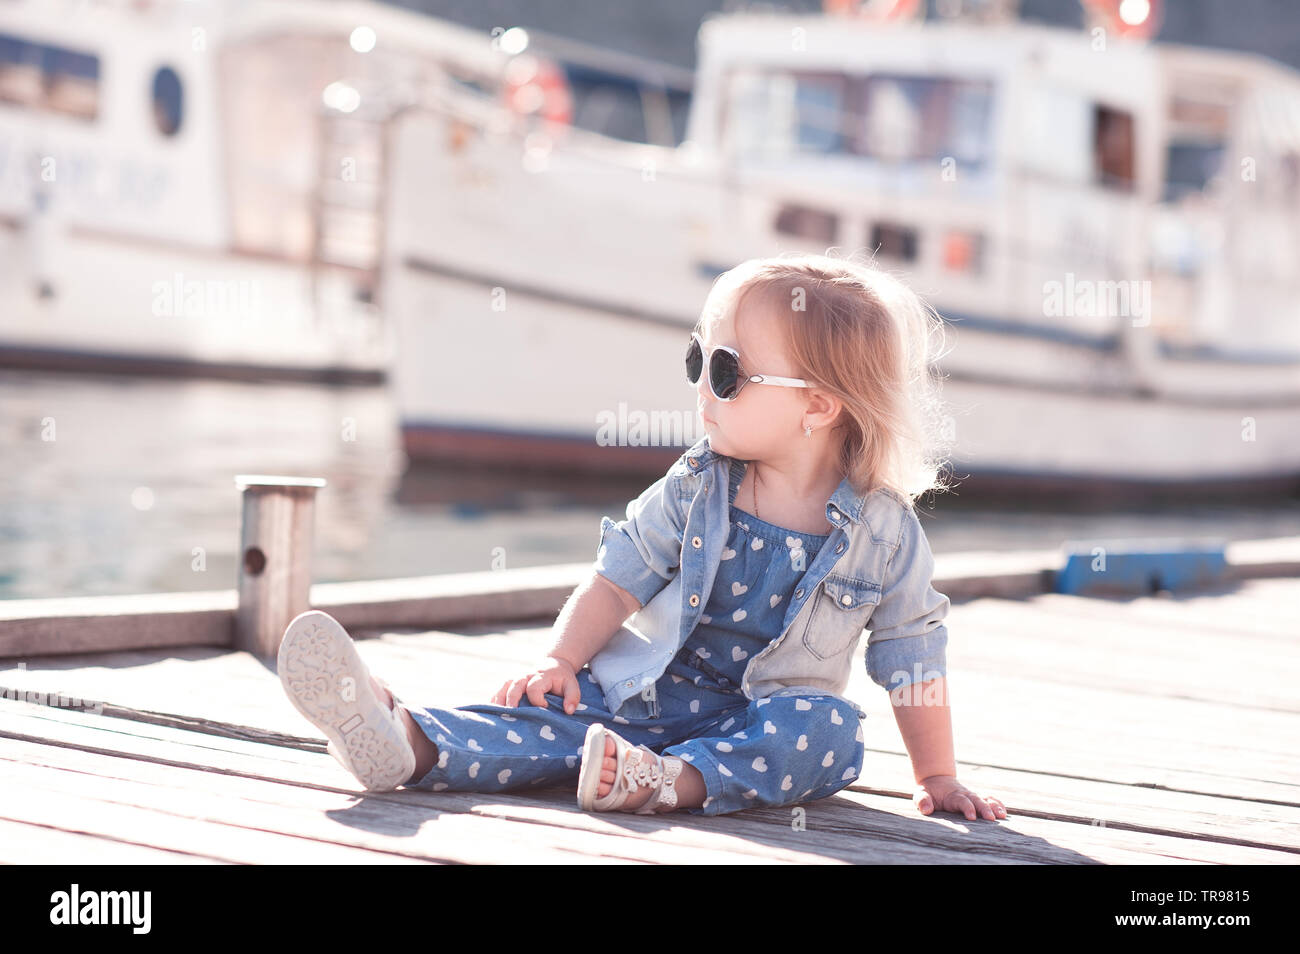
(274, 558)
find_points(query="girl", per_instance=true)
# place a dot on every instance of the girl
(723, 690)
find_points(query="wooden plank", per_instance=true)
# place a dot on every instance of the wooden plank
(1029, 726)
(412, 825)
(98, 623)
(1115, 805)
(83, 800)
(105, 623)
(889, 774)
(23, 843)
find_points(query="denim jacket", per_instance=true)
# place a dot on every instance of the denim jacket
(875, 570)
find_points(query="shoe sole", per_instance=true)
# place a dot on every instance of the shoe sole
(593, 755)
(326, 680)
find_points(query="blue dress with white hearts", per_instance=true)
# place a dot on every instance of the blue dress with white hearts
(772, 751)
(761, 566)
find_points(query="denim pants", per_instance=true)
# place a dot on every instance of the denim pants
(794, 746)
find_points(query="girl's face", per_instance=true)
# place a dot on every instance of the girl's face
(763, 421)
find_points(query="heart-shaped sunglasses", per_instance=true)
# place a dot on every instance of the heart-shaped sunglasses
(726, 379)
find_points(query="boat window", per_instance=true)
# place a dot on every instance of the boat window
(803, 222)
(606, 103)
(167, 101)
(1189, 167)
(1113, 148)
(52, 78)
(890, 240)
(818, 106)
(895, 118)
(924, 118)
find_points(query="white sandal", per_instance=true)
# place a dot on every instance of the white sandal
(327, 681)
(637, 766)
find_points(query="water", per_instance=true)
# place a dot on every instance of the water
(117, 485)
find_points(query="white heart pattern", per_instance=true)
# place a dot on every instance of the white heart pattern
(830, 759)
(503, 776)
(775, 598)
(508, 718)
(474, 745)
(723, 770)
(794, 543)
(442, 759)
(803, 705)
(726, 725)
(739, 615)
(473, 770)
(570, 760)
(723, 746)
(848, 774)
(859, 735)
(695, 705)
(752, 793)
(738, 588)
(756, 543)
(760, 764)
(802, 743)
(769, 728)
(703, 653)
(547, 733)
(836, 719)
(787, 783)
(728, 553)
(706, 619)
(514, 737)
(737, 654)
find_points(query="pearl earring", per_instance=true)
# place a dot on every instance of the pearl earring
(807, 430)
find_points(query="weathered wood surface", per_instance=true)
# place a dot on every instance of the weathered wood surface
(104, 623)
(1149, 730)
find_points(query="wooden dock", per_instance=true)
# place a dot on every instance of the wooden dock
(1153, 729)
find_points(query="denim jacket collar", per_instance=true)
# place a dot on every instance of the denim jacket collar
(844, 500)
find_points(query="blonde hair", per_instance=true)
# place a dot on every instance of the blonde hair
(865, 337)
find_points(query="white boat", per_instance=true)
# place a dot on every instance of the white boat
(191, 188)
(1109, 225)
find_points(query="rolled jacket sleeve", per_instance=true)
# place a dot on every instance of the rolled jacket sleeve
(642, 553)
(909, 639)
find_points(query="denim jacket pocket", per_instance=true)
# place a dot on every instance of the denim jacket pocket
(839, 614)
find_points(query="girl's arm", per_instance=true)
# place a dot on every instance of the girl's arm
(925, 722)
(589, 620)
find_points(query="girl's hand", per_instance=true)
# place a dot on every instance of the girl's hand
(950, 795)
(554, 675)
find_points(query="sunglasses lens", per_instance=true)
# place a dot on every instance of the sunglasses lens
(694, 361)
(724, 375)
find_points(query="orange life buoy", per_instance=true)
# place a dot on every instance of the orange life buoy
(874, 9)
(535, 86)
(1111, 15)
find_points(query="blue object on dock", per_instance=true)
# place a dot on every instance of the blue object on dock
(1135, 566)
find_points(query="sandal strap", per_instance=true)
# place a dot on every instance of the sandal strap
(638, 767)
(662, 774)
